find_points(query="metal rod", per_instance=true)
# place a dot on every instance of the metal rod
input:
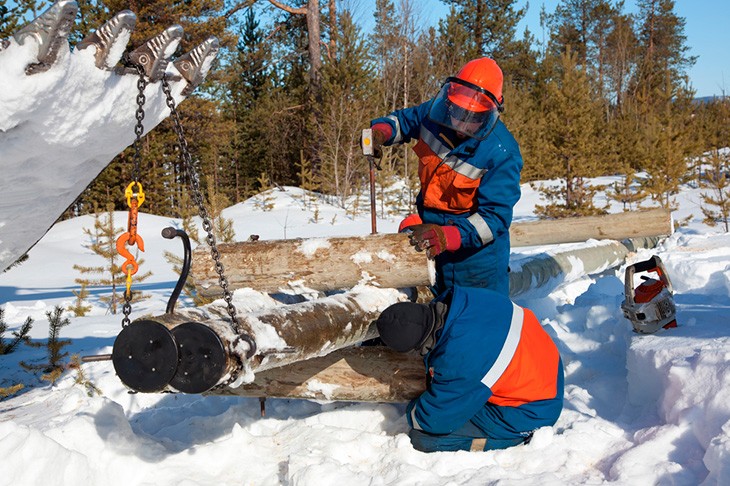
(171, 233)
(97, 357)
(373, 223)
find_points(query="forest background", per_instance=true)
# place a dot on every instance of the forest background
(606, 92)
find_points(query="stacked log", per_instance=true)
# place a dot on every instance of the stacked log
(294, 350)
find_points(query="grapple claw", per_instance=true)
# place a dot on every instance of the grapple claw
(69, 120)
(194, 65)
(110, 39)
(154, 55)
(50, 30)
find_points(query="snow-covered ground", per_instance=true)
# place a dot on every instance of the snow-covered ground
(638, 409)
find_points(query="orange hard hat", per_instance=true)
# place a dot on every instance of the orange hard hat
(484, 73)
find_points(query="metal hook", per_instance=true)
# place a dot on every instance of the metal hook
(122, 241)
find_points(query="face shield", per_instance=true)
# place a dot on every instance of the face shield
(465, 108)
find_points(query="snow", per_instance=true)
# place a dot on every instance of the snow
(639, 409)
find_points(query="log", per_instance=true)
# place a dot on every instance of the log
(321, 264)
(386, 260)
(620, 226)
(286, 336)
(362, 374)
(266, 339)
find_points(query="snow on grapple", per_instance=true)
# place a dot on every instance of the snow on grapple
(65, 114)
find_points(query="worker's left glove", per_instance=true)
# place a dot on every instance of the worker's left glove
(435, 239)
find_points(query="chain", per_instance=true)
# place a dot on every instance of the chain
(198, 198)
(139, 115)
(137, 145)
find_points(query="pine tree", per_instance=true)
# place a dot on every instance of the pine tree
(79, 307)
(663, 50)
(18, 336)
(265, 200)
(103, 237)
(14, 15)
(585, 27)
(666, 141)
(628, 190)
(222, 227)
(54, 346)
(574, 142)
(716, 206)
(491, 24)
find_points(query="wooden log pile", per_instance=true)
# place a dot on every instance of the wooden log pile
(308, 350)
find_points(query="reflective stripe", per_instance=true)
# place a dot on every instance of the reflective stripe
(434, 143)
(465, 168)
(483, 230)
(416, 425)
(442, 152)
(508, 348)
(398, 133)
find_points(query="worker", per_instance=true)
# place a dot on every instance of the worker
(469, 168)
(492, 378)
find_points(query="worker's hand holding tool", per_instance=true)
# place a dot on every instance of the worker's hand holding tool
(373, 139)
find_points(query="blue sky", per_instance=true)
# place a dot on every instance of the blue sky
(707, 29)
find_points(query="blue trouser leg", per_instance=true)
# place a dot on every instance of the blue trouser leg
(459, 440)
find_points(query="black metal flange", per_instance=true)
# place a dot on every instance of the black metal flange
(202, 358)
(145, 356)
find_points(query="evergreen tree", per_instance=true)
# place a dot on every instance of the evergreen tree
(54, 346)
(716, 206)
(666, 141)
(663, 52)
(491, 26)
(619, 59)
(222, 227)
(103, 237)
(79, 307)
(585, 27)
(18, 336)
(574, 142)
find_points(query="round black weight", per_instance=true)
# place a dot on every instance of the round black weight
(202, 358)
(145, 356)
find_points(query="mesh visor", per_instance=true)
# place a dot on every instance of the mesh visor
(465, 108)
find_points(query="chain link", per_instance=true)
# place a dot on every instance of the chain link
(189, 168)
(139, 115)
(137, 145)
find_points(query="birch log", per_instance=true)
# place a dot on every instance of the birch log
(386, 260)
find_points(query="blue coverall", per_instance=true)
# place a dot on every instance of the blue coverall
(467, 183)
